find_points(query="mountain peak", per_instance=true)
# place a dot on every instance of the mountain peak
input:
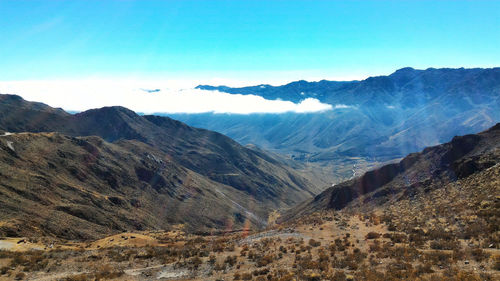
(109, 110)
(5, 97)
(494, 128)
(405, 71)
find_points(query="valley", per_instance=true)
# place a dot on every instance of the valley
(405, 241)
(132, 172)
(108, 194)
(247, 140)
(372, 121)
(440, 223)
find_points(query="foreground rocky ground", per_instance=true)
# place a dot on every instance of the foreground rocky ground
(323, 246)
(336, 247)
(451, 233)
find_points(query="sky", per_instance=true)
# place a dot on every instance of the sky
(180, 44)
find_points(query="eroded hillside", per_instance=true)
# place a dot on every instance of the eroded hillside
(108, 170)
(445, 227)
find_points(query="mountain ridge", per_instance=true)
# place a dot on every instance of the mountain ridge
(400, 77)
(124, 155)
(377, 119)
(418, 172)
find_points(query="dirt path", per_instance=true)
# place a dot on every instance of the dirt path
(247, 212)
(56, 276)
(17, 244)
(272, 234)
(139, 271)
(6, 245)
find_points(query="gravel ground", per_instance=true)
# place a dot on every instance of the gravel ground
(272, 234)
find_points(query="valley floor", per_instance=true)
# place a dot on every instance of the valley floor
(326, 246)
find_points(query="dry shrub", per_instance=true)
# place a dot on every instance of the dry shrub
(4, 270)
(220, 266)
(496, 264)
(195, 262)
(231, 260)
(258, 272)
(445, 244)
(246, 276)
(423, 269)
(437, 257)
(479, 254)
(78, 277)
(339, 276)
(399, 270)
(314, 243)
(264, 260)
(107, 272)
(375, 246)
(20, 276)
(396, 237)
(372, 235)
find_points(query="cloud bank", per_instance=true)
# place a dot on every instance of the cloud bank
(150, 97)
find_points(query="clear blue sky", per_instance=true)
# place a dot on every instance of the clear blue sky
(72, 39)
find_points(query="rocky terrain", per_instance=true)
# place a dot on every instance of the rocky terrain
(107, 194)
(433, 216)
(108, 170)
(417, 173)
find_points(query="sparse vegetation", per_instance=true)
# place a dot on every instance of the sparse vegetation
(439, 231)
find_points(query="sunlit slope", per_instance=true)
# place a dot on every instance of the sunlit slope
(50, 178)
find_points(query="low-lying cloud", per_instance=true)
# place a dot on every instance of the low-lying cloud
(151, 98)
(343, 106)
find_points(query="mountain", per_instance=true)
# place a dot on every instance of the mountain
(16, 114)
(403, 87)
(110, 169)
(433, 216)
(418, 173)
(379, 118)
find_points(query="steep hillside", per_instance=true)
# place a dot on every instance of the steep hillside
(83, 188)
(422, 172)
(128, 160)
(17, 114)
(449, 232)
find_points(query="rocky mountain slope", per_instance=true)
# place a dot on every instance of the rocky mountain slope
(131, 172)
(434, 216)
(431, 169)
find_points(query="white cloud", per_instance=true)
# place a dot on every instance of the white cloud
(150, 97)
(343, 106)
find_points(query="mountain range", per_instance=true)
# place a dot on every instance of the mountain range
(94, 167)
(110, 194)
(110, 169)
(377, 119)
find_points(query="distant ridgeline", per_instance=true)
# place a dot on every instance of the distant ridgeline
(384, 117)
